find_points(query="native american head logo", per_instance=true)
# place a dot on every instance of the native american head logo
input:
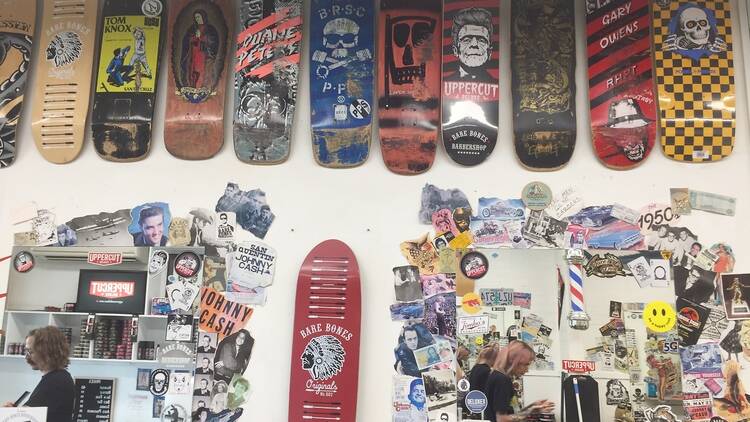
(65, 48)
(323, 357)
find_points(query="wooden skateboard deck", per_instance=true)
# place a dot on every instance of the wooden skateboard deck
(125, 90)
(63, 78)
(341, 80)
(325, 349)
(266, 78)
(193, 125)
(471, 43)
(543, 82)
(694, 69)
(409, 83)
(17, 17)
(621, 93)
(588, 390)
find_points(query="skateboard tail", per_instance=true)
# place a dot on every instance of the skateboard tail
(122, 142)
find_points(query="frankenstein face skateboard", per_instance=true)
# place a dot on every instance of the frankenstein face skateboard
(409, 83)
(132, 34)
(470, 79)
(341, 80)
(266, 77)
(193, 127)
(325, 349)
(621, 95)
(17, 22)
(63, 78)
(694, 78)
(543, 82)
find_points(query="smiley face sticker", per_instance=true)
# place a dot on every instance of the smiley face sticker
(659, 316)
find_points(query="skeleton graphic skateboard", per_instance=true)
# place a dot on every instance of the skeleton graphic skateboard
(325, 349)
(543, 82)
(409, 83)
(588, 395)
(621, 94)
(694, 69)
(266, 77)
(341, 80)
(125, 91)
(199, 33)
(470, 79)
(18, 18)
(63, 78)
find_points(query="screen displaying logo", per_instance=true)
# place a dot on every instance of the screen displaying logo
(112, 289)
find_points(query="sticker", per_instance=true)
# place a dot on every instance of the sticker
(176, 355)
(225, 225)
(462, 218)
(421, 253)
(23, 262)
(474, 265)
(158, 384)
(500, 209)
(659, 316)
(174, 412)
(148, 224)
(578, 366)
(404, 311)
(623, 213)
(470, 303)
(544, 230)
(179, 328)
(252, 265)
(606, 266)
(641, 271)
(661, 412)
(44, 228)
(180, 381)
(187, 264)
(239, 388)
(691, 318)
(536, 195)
(565, 203)
(151, 8)
(409, 398)
(662, 272)
(407, 283)
(442, 222)
(434, 198)
(475, 401)
(103, 229)
(496, 297)
(181, 295)
(219, 315)
(680, 198)
(433, 354)
(474, 325)
(142, 379)
(251, 208)
(479, 341)
(158, 261)
(179, 233)
(735, 291)
(616, 393)
(522, 300)
(104, 259)
(615, 309)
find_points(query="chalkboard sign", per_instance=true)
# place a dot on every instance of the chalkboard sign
(94, 399)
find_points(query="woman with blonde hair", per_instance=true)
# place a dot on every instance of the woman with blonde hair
(512, 361)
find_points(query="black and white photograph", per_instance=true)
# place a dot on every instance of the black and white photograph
(179, 328)
(215, 273)
(204, 364)
(232, 355)
(439, 384)
(544, 230)
(225, 222)
(103, 229)
(219, 395)
(696, 284)
(407, 284)
(251, 208)
(202, 385)
(680, 241)
(735, 293)
(66, 236)
(206, 342)
(158, 261)
(201, 405)
(413, 336)
(434, 198)
(181, 295)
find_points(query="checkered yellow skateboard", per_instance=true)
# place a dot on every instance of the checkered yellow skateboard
(695, 78)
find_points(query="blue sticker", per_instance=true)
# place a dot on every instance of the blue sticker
(476, 401)
(150, 223)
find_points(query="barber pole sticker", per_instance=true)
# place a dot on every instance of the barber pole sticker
(105, 259)
(578, 366)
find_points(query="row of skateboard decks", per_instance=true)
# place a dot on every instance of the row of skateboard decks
(438, 78)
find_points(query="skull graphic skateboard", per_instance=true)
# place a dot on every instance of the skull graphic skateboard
(63, 78)
(543, 82)
(266, 78)
(621, 93)
(341, 80)
(470, 79)
(694, 69)
(15, 60)
(325, 349)
(125, 90)
(409, 83)
(199, 33)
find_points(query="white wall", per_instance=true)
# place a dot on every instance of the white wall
(368, 207)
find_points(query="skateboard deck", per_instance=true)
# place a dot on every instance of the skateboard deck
(621, 93)
(325, 349)
(694, 69)
(543, 82)
(409, 84)
(266, 79)
(193, 125)
(588, 390)
(125, 90)
(63, 78)
(341, 80)
(18, 18)
(471, 43)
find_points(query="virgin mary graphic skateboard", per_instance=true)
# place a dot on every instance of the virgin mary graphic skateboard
(125, 91)
(695, 78)
(621, 94)
(409, 83)
(15, 60)
(341, 80)
(63, 78)
(470, 79)
(543, 82)
(193, 125)
(266, 77)
(325, 349)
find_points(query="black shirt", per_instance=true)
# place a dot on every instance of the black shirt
(499, 393)
(478, 377)
(56, 391)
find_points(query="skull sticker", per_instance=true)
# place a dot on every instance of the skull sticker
(340, 39)
(692, 33)
(405, 37)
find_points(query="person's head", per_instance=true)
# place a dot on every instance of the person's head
(514, 359)
(241, 338)
(186, 294)
(472, 35)
(232, 189)
(443, 416)
(206, 341)
(138, 33)
(201, 403)
(151, 221)
(417, 395)
(47, 349)
(411, 338)
(61, 234)
(662, 231)
(241, 385)
(223, 218)
(206, 362)
(488, 354)
(440, 243)
(204, 384)
(670, 236)
(265, 212)
(203, 413)
(683, 234)
(695, 248)
(200, 17)
(160, 378)
(176, 295)
(745, 335)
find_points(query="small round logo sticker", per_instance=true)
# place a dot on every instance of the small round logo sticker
(151, 8)
(158, 383)
(471, 303)
(659, 316)
(463, 385)
(187, 264)
(536, 196)
(476, 401)
(474, 265)
(23, 262)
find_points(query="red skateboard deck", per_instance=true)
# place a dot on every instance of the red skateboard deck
(409, 85)
(621, 85)
(325, 351)
(198, 39)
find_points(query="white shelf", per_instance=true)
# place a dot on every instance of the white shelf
(91, 360)
(82, 314)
